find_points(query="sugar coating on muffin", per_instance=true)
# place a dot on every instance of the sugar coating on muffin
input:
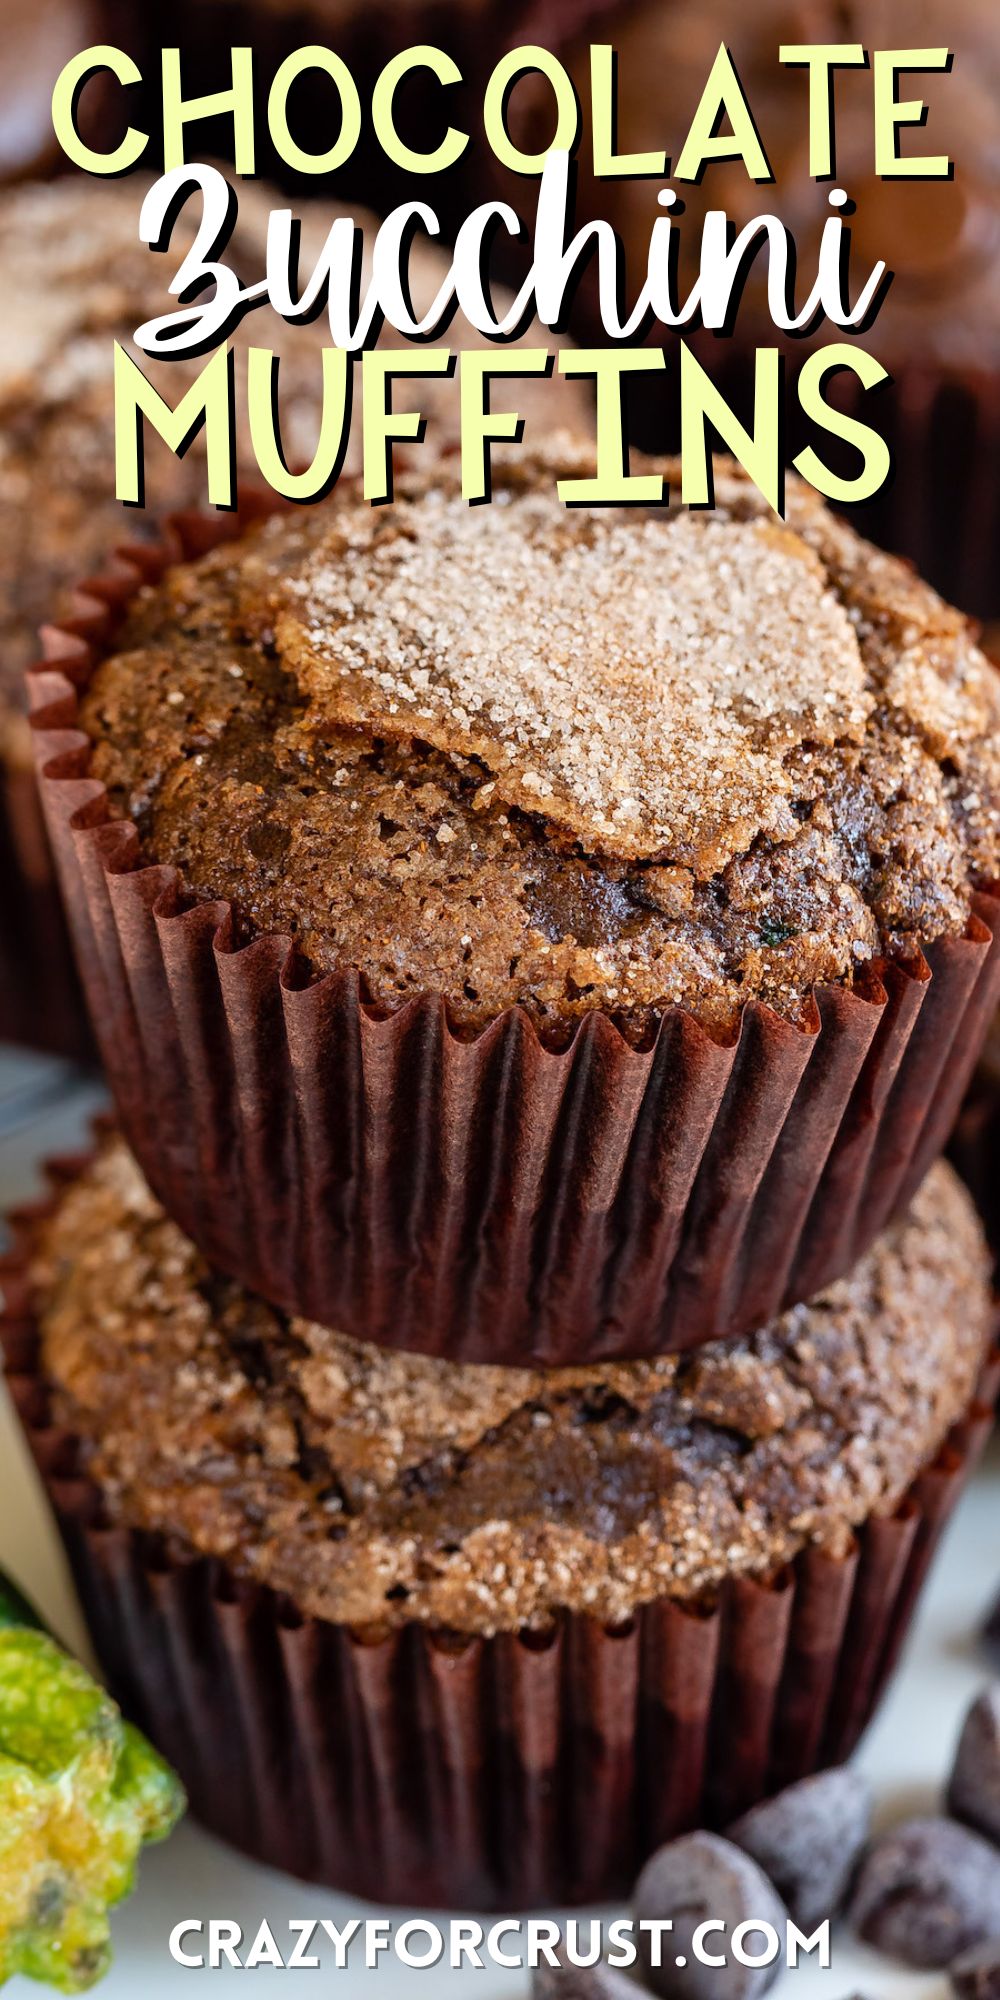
(643, 690)
(76, 277)
(375, 1488)
(575, 758)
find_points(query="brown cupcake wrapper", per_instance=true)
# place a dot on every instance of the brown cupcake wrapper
(941, 508)
(426, 1768)
(486, 1199)
(41, 1002)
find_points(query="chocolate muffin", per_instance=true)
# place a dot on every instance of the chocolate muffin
(374, 1489)
(37, 37)
(521, 917)
(77, 279)
(938, 327)
(404, 1510)
(614, 760)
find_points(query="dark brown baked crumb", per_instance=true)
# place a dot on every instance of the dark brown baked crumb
(374, 1488)
(75, 279)
(939, 236)
(577, 759)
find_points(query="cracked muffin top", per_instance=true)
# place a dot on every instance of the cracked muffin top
(575, 758)
(375, 1488)
(76, 278)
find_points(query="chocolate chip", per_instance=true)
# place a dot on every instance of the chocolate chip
(927, 1892)
(976, 1975)
(581, 1982)
(808, 1839)
(974, 1785)
(696, 1879)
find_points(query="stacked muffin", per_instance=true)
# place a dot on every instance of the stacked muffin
(77, 278)
(502, 1390)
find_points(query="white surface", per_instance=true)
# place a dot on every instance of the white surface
(906, 1754)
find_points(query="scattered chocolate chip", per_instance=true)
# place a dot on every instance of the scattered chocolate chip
(699, 1878)
(974, 1785)
(808, 1840)
(976, 1975)
(927, 1892)
(581, 1982)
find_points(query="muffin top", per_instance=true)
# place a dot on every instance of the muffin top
(375, 1488)
(75, 279)
(573, 757)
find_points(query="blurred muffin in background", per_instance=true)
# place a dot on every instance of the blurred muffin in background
(603, 771)
(975, 1142)
(664, 1589)
(37, 38)
(473, 33)
(75, 279)
(938, 328)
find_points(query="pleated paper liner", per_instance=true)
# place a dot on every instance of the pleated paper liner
(423, 1768)
(41, 1002)
(486, 1199)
